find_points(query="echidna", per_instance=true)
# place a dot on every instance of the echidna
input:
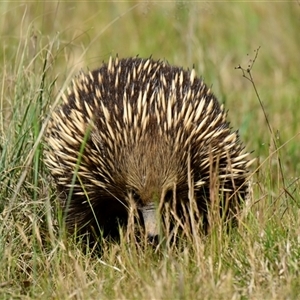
(141, 132)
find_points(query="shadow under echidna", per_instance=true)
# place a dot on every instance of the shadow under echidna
(139, 135)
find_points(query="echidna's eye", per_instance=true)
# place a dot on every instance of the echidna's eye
(135, 197)
(169, 195)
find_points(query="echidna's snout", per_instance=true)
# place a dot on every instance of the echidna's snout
(150, 222)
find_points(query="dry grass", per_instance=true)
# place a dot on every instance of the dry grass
(45, 43)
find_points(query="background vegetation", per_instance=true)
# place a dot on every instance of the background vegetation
(43, 44)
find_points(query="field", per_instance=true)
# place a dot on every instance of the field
(247, 51)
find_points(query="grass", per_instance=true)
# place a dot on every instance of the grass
(45, 43)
